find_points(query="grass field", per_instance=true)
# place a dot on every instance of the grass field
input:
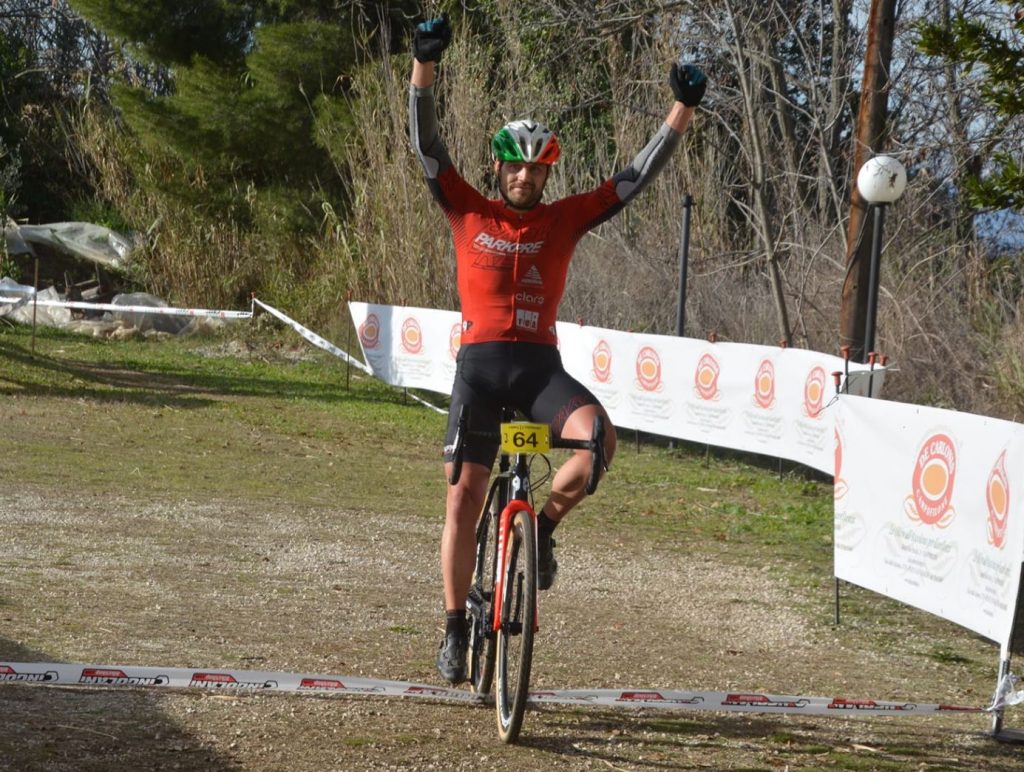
(242, 501)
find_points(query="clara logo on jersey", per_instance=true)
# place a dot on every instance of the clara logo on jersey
(601, 358)
(931, 485)
(369, 331)
(705, 377)
(648, 369)
(764, 385)
(412, 335)
(997, 496)
(814, 393)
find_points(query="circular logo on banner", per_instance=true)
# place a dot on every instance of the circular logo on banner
(997, 496)
(369, 331)
(932, 482)
(814, 392)
(840, 487)
(412, 336)
(455, 339)
(648, 369)
(764, 385)
(601, 358)
(705, 378)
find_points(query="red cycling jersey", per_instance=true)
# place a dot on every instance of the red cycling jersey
(512, 266)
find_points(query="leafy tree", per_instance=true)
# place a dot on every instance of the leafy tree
(235, 132)
(999, 53)
(49, 63)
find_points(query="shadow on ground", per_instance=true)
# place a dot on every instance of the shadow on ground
(78, 728)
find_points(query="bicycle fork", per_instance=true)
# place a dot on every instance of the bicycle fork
(504, 533)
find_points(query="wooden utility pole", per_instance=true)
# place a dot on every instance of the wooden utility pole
(869, 140)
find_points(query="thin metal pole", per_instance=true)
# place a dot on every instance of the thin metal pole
(837, 601)
(684, 259)
(874, 279)
(348, 344)
(35, 304)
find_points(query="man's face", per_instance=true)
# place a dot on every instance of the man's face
(521, 184)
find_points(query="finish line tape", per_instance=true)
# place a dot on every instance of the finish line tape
(249, 681)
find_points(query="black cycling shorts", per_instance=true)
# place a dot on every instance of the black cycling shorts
(526, 376)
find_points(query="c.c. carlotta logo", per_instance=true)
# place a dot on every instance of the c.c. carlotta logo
(932, 482)
(764, 385)
(840, 487)
(412, 335)
(648, 369)
(997, 496)
(705, 377)
(814, 392)
(369, 331)
(601, 357)
(455, 340)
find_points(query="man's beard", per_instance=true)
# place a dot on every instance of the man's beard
(529, 204)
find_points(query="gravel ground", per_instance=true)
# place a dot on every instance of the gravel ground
(218, 584)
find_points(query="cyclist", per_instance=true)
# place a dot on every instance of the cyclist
(512, 254)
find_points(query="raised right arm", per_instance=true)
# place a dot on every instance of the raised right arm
(423, 131)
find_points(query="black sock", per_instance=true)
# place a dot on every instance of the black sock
(455, 622)
(545, 524)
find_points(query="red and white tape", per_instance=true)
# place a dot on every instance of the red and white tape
(225, 680)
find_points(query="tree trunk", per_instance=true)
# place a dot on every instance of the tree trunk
(871, 118)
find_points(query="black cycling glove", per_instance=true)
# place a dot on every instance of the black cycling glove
(430, 39)
(688, 83)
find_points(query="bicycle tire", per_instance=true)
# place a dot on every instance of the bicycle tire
(515, 638)
(482, 641)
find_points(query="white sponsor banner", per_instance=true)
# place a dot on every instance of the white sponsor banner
(929, 506)
(407, 346)
(763, 399)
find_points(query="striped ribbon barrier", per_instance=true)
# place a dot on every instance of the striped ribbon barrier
(226, 680)
(164, 310)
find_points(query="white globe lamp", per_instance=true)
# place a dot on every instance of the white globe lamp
(881, 180)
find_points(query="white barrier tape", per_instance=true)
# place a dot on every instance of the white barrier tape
(326, 345)
(258, 680)
(1006, 695)
(312, 337)
(131, 309)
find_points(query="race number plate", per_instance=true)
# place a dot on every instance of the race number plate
(525, 438)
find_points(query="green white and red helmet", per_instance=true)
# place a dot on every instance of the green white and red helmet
(525, 142)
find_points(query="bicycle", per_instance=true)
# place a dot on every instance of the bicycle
(502, 602)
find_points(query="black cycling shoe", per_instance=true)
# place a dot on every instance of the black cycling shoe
(547, 566)
(451, 659)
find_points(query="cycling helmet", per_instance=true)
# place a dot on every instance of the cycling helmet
(525, 142)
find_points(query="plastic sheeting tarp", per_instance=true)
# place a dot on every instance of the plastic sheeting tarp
(84, 240)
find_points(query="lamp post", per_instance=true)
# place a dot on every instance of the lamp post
(881, 180)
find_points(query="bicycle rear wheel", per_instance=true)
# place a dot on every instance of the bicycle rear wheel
(515, 638)
(482, 645)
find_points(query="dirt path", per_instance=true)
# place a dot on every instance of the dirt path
(316, 589)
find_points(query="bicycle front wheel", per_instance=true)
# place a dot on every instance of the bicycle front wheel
(482, 646)
(515, 637)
